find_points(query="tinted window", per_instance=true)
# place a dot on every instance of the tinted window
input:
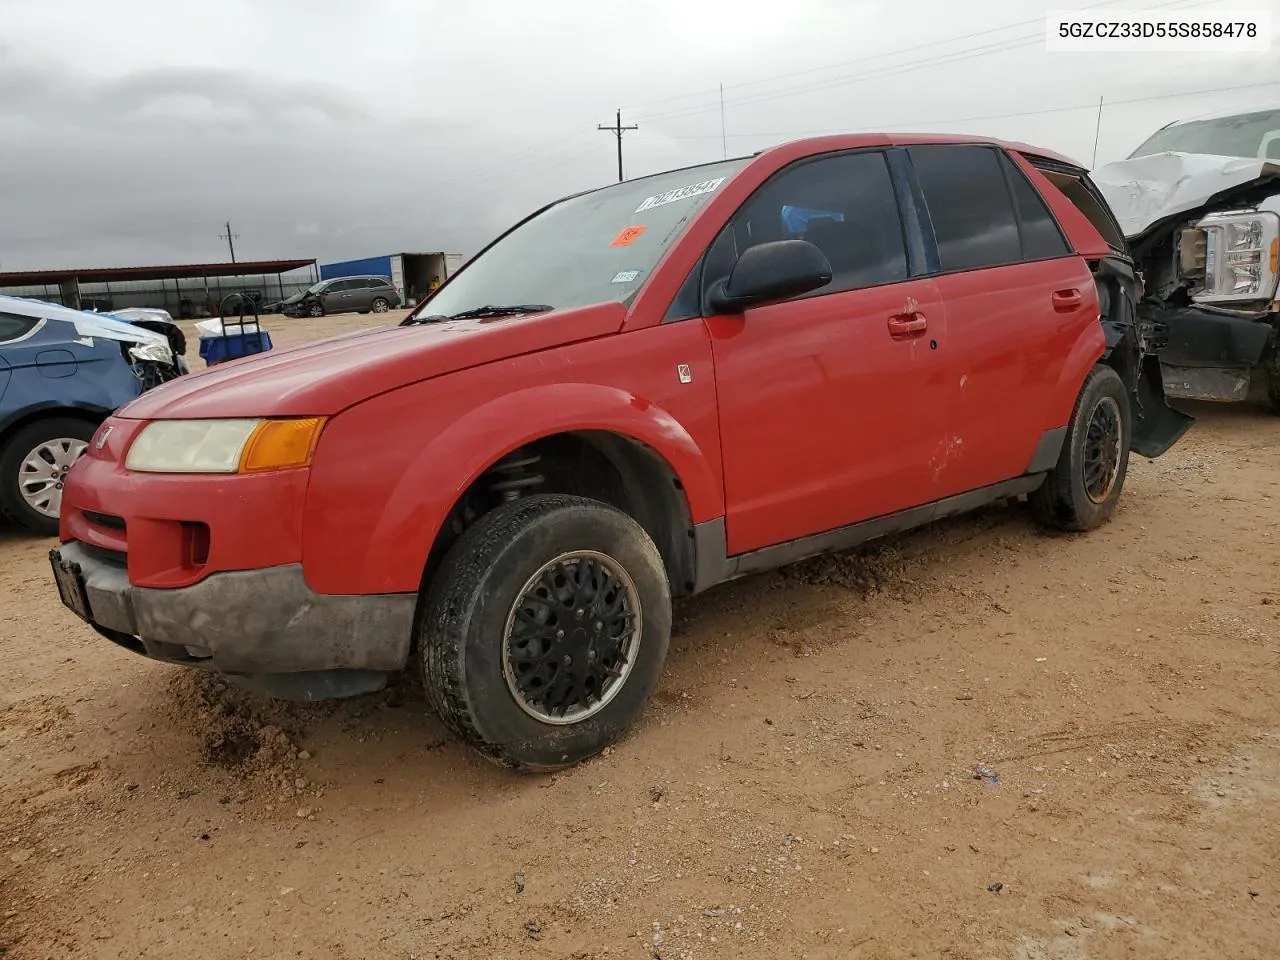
(376, 283)
(14, 325)
(845, 205)
(1041, 238)
(969, 205)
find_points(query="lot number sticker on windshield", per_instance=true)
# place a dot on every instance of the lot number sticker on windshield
(680, 193)
(628, 236)
(625, 276)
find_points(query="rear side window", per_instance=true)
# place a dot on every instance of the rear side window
(15, 325)
(844, 204)
(969, 204)
(1041, 238)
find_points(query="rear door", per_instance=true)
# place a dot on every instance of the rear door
(1018, 301)
(832, 404)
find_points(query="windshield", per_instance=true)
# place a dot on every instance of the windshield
(317, 287)
(1246, 135)
(593, 248)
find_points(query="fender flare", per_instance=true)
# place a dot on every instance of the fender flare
(452, 461)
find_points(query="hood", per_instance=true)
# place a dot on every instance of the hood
(326, 377)
(296, 298)
(1145, 190)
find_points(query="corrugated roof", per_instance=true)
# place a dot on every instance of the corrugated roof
(175, 272)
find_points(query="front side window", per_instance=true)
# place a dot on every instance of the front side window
(843, 204)
(593, 248)
(1244, 135)
(969, 205)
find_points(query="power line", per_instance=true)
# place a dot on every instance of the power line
(955, 56)
(875, 56)
(947, 121)
(617, 130)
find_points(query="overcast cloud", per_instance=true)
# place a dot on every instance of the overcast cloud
(131, 130)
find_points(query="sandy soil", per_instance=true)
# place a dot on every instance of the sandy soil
(802, 786)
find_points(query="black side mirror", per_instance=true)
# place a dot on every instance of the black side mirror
(769, 272)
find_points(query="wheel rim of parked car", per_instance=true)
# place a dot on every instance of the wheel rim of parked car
(571, 637)
(379, 306)
(1102, 450)
(43, 472)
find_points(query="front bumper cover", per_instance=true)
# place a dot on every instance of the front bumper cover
(255, 622)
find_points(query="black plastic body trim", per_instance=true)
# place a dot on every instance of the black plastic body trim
(714, 565)
(1048, 450)
(1209, 338)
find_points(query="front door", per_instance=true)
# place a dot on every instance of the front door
(832, 405)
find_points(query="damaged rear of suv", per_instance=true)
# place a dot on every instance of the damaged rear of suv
(1200, 204)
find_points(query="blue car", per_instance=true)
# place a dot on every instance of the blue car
(62, 372)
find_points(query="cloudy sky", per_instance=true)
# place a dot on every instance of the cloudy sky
(131, 130)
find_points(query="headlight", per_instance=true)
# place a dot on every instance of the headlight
(224, 446)
(155, 352)
(1240, 256)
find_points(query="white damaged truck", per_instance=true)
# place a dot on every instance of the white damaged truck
(1199, 203)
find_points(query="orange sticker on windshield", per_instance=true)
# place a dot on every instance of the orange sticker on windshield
(628, 236)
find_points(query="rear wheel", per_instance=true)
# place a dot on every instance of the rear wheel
(544, 631)
(1272, 370)
(33, 468)
(1082, 490)
(380, 305)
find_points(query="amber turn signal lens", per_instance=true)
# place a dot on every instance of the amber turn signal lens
(281, 444)
(1275, 256)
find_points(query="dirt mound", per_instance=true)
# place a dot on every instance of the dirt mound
(870, 571)
(237, 730)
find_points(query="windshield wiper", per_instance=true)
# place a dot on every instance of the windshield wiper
(489, 310)
(492, 311)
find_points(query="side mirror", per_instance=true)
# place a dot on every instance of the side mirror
(769, 272)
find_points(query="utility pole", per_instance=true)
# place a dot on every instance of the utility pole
(617, 130)
(724, 137)
(230, 238)
(1097, 133)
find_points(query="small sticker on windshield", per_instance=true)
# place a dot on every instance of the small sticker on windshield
(625, 276)
(628, 236)
(680, 193)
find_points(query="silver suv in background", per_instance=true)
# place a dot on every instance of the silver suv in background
(343, 295)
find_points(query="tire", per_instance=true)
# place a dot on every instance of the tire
(52, 439)
(315, 310)
(1068, 499)
(470, 609)
(1272, 371)
(379, 305)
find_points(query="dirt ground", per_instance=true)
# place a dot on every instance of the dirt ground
(803, 784)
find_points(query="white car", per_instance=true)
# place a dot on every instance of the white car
(1199, 202)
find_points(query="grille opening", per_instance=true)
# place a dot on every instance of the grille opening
(196, 543)
(104, 519)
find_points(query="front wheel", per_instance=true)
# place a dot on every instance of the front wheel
(315, 310)
(33, 468)
(1082, 491)
(544, 631)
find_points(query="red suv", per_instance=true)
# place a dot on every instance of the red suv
(634, 394)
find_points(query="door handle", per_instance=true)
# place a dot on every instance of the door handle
(1067, 300)
(907, 324)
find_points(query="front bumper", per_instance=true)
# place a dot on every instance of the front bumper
(254, 622)
(1213, 355)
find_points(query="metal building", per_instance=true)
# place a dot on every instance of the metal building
(186, 290)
